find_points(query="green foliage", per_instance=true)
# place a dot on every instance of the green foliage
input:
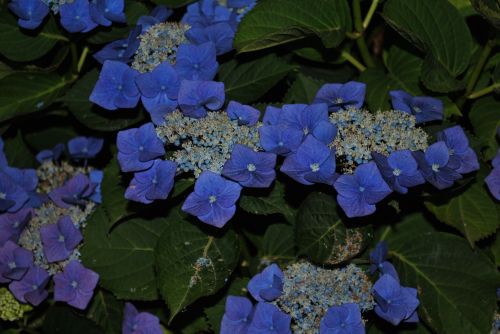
(63, 320)
(106, 311)
(485, 120)
(489, 9)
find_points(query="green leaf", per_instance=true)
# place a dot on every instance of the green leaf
(303, 89)
(63, 320)
(464, 7)
(5, 70)
(93, 116)
(19, 45)
(45, 133)
(18, 154)
(192, 263)
(485, 120)
(134, 10)
(456, 285)
(275, 22)
(278, 244)
(489, 9)
(106, 311)
(173, 3)
(495, 249)
(38, 91)
(246, 82)
(124, 258)
(321, 235)
(437, 28)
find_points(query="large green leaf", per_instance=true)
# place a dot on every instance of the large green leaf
(106, 311)
(192, 263)
(485, 119)
(275, 22)
(438, 29)
(18, 154)
(489, 9)
(246, 82)
(124, 258)
(278, 244)
(303, 89)
(456, 286)
(63, 320)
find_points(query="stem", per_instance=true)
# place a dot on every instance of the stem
(354, 62)
(370, 13)
(483, 91)
(479, 67)
(83, 56)
(358, 26)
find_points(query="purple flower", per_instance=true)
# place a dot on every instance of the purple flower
(204, 13)
(344, 319)
(399, 170)
(116, 86)
(220, 34)
(60, 239)
(154, 183)
(75, 16)
(196, 62)
(14, 262)
(139, 323)
(12, 196)
(75, 285)
(434, 165)
(268, 319)
(159, 14)
(96, 177)
(493, 182)
(195, 97)
(279, 139)
(245, 115)
(314, 162)
(138, 147)
(12, 224)
(496, 160)
(159, 89)
(31, 288)
(250, 168)
(30, 12)
(53, 154)
(358, 193)
(104, 12)
(463, 159)
(85, 147)
(267, 285)
(341, 96)
(425, 109)
(74, 192)
(378, 260)
(395, 303)
(28, 181)
(237, 316)
(213, 200)
(121, 50)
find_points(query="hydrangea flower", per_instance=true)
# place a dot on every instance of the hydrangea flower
(195, 97)
(272, 116)
(204, 13)
(51, 154)
(196, 62)
(434, 165)
(313, 162)
(12, 196)
(14, 262)
(138, 147)
(75, 16)
(358, 193)
(159, 14)
(267, 285)
(237, 316)
(425, 109)
(75, 285)
(12, 224)
(220, 34)
(159, 89)
(343, 319)
(378, 260)
(143, 322)
(74, 192)
(104, 12)
(96, 177)
(341, 96)
(268, 319)
(213, 200)
(245, 115)
(153, 183)
(28, 181)
(280, 139)
(121, 50)
(399, 170)
(116, 86)
(395, 303)
(31, 288)
(250, 168)
(30, 12)
(60, 239)
(463, 159)
(85, 147)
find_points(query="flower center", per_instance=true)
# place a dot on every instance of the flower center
(163, 87)
(120, 87)
(16, 224)
(314, 167)
(2, 195)
(77, 17)
(361, 188)
(417, 109)
(34, 287)
(141, 148)
(12, 265)
(396, 172)
(61, 238)
(212, 199)
(74, 284)
(435, 167)
(451, 151)
(280, 144)
(338, 100)
(306, 131)
(251, 167)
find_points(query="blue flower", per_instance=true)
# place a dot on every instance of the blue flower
(75, 16)
(138, 147)
(463, 159)
(267, 285)
(213, 200)
(104, 12)
(204, 13)
(31, 288)
(314, 162)
(278, 139)
(116, 86)
(341, 96)
(12, 196)
(196, 62)
(245, 115)
(344, 319)
(239, 3)
(220, 34)
(237, 316)
(12, 224)
(159, 14)
(60, 239)
(52, 154)
(96, 177)
(195, 97)
(85, 147)
(74, 192)
(434, 165)
(121, 50)
(154, 183)
(399, 170)
(378, 260)
(268, 319)
(358, 193)
(136, 323)
(14, 262)
(395, 303)
(30, 12)
(272, 116)
(28, 181)
(159, 89)
(425, 109)
(75, 285)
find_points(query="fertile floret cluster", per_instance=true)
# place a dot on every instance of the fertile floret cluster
(10, 308)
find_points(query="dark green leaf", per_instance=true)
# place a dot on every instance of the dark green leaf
(49, 131)
(303, 89)
(17, 153)
(62, 320)
(279, 244)
(106, 311)
(485, 119)
(489, 9)
(464, 7)
(5, 70)
(134, 10)
(173, 3)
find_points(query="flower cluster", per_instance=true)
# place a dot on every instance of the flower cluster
(493, 179)
(43, 216)
(10, 308)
